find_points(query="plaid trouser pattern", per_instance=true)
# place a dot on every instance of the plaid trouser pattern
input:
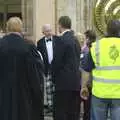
(49, 88)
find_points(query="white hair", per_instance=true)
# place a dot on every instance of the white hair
(46, 27)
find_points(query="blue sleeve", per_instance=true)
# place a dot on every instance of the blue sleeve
(87, 62)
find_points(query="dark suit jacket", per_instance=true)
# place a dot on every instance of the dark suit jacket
(41, 45)
(66, 62)
(21, 76)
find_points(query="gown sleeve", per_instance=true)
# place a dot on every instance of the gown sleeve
(36, 81)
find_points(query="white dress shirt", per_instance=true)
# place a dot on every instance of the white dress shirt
(49, 47)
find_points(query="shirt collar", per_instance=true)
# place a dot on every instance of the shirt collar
(16, 33)
(49, 38)
(67, 30)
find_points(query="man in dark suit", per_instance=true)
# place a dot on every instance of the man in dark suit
(66, 75)
(46, 47)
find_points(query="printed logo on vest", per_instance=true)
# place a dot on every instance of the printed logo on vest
(113, 53)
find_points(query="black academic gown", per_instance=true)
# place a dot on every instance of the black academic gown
(21, 80)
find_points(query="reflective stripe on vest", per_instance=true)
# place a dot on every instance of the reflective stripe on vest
(103, 80)
(97, 48)
(107, 68)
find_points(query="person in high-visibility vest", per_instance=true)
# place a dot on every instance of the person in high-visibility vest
(106, 76)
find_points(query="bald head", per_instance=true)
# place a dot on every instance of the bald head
(46, 27)
(47, 30)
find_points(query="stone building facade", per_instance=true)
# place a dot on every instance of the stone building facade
(35, 13)
(49, 11)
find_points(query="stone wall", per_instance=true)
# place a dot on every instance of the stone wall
(39, 12)
(80, 11)
(44, 13)
(35, 13)
(27, 15)
(67, 7)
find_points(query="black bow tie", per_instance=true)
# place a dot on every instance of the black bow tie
(48, 40)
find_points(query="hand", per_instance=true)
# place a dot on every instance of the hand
(84, 93)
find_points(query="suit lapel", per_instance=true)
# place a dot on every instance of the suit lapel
(45, 50)
(53, 43)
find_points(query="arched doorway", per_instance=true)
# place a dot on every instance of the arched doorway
(9, 8)
(19, 8)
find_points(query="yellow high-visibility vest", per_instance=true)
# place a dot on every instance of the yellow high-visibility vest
(106, 75)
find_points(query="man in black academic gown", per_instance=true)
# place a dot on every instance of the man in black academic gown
(21, 76)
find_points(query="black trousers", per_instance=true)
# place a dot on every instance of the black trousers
(66, 105)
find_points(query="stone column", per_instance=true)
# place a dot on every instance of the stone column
(44, 13)
(85, 15)
(68, 8)
(80, 16)
(35, 13)
(80, 11)
(27, 15)
(71, 11)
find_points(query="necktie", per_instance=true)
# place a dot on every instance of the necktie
(48, 40)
